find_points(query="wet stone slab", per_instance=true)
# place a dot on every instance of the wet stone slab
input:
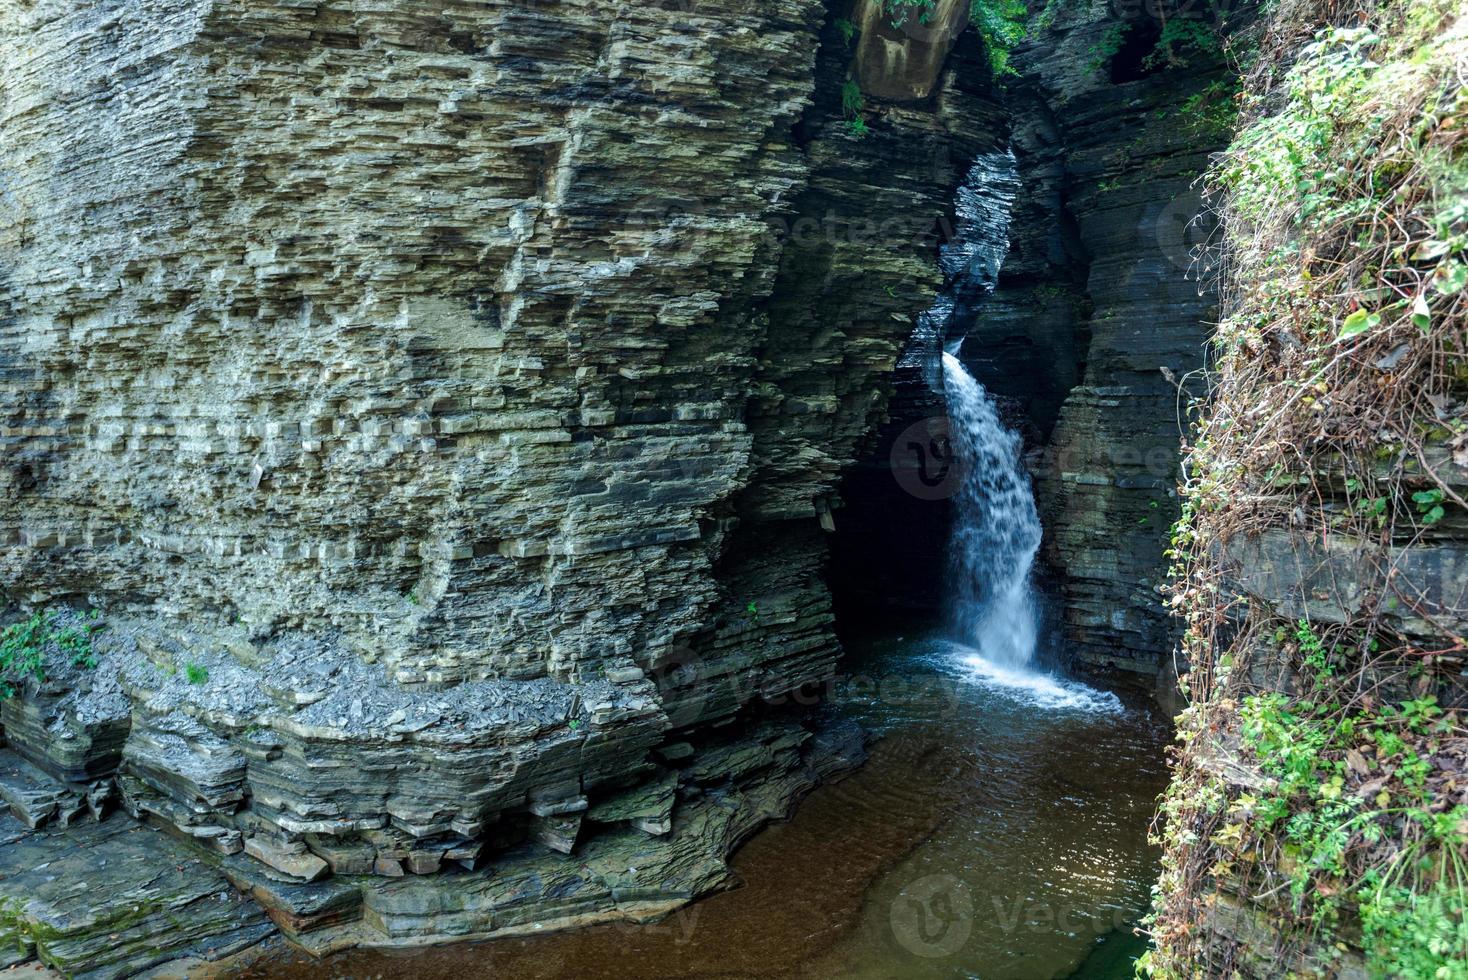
(122, 896)
(111, 899)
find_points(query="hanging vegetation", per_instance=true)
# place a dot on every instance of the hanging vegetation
(1319, 794)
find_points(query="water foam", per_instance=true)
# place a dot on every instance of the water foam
(1039, 689)
(996, 536)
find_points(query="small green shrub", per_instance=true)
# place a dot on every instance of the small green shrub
(1108, 46)
(852, 104)
(898, 11)
(1214, 110)
(195, 674)
(1182, 38)
(1346, 781)
(1003, 24)
(1430, 504)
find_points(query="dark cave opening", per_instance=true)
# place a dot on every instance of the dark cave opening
(1136, 58)
(888, 550)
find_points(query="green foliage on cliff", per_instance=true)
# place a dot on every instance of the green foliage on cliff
(1183, 38)
(1392, 839)
(1184, 31)
(853, 103)
(898, 11)
(1317, 791)
(1001, 23)
(24, 646)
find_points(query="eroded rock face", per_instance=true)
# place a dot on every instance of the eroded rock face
(1096, 295)
(444, 407)
(377, 323)
(1098, 311)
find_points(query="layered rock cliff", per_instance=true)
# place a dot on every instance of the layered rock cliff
(439, 406)
(1096, 315)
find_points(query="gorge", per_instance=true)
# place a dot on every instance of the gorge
(473, 468)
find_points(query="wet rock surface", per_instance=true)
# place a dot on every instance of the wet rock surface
(312, 808)
(114, 897)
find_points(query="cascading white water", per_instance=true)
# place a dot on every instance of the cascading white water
(994, 617)
(996, 528)
(996, 535)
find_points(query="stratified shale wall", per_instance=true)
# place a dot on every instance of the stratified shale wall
(1096, 298)
(440, 406)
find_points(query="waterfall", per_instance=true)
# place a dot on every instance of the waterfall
(996, 530)
(996, 534)
(994, 624)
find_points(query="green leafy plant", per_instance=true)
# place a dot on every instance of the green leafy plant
(1108, 46)
(22, 653)
(1213, 111)
(1003, 26)
(23, 648)
(195, 673)
(1430, 504)
(1183, 38)
(1326, 762)
(1315, 655)
(847, 29)
(898, 12)
(852, 105)
(1357, 323)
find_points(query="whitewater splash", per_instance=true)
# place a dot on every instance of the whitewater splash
(996, 536)
(996, 529)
